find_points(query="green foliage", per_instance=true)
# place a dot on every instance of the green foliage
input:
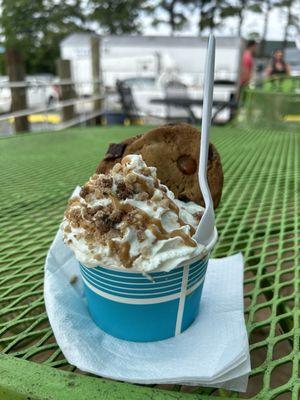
(175, 12)
(21, 21)
(238, 8)
(36, 28)
(118, 16)
(210, 14)
(213, 13)
(292, 16)
(254, 36)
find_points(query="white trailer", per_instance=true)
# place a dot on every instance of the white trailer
(144, 59)
(132, 56)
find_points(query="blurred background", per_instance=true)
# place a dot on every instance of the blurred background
(67, 63)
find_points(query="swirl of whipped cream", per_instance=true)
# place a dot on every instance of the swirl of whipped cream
(128, 219)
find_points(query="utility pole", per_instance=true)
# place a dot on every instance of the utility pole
(67, 92)
(15, 68)
(96, 74)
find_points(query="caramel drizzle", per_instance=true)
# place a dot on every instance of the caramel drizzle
(143, 183)
(160, 233)
(175, 208)
(123, 251)
(153, 224)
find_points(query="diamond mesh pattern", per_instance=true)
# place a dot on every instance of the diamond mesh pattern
(259, 216)
(276, 105)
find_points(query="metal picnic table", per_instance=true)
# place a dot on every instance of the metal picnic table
(259, 215)
(187, 103)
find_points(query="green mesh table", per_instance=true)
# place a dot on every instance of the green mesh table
(259, 215)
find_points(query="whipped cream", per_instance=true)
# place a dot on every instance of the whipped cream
(128, 219)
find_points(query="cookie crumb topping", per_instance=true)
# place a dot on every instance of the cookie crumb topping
(120, 216)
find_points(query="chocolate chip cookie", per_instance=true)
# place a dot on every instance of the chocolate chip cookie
(174, 150)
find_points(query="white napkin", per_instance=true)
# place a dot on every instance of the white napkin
(212, 352)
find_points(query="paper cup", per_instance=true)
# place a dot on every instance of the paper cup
(129, 306)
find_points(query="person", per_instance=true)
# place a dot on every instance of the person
(247, 64)
(277, 65)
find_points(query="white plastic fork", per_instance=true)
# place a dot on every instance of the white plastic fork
(206, 233)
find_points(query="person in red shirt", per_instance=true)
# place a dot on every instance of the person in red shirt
(247, 64)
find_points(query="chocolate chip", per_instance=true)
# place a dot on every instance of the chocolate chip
(211, 152)
(187, 164)
(114, 151)
(183, 198)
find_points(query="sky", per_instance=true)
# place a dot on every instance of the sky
(253, 22)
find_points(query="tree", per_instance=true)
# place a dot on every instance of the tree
(60, 19)
(20, 22)
(35, 29)
(201, 12)
(118, 16)
(175, 11)
(212, 13)
(268, 4)
(208, 14)
(292, 17)
(267, 7)
(238, 9)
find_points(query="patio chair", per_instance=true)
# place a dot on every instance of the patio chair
(176, 89)
(129, 107)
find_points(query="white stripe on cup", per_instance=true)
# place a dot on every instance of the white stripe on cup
(193, 276)
(196, 279)
(163, 288)
(130, 300)
(191, 289)
(182, 299)
(137, 301)
(177, 274)
(130, 291)
(197, 271)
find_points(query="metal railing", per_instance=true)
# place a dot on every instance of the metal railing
(59, 82)
(84, 94)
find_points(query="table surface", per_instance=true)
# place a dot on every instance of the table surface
(259, 215)
(185, 101)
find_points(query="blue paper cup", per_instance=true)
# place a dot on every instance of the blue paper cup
(129, 306)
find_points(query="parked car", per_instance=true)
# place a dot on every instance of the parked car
(42, 91)
(144, 89)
